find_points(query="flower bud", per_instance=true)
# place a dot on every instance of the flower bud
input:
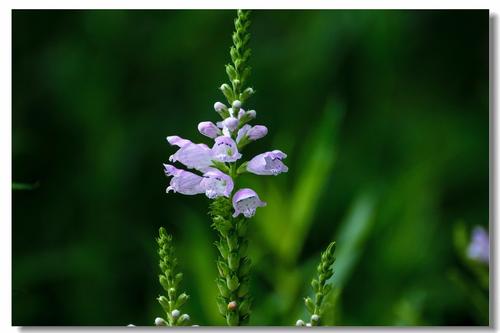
(234, 261)
(181, 300)
(251, 114)
(184, 319)
(257, 132)
(236, 105)
(171, 292)
(300, 322)
(315, 319)
(209, 129)
(227, 91)
(218, 106)
(232, 283)
(308, 325)
(175, 314)
(232, 306)
(130, 325)
(160, 321)
(231, 123)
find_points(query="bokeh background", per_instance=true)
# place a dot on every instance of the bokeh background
(383, 114)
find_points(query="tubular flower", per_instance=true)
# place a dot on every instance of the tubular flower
(245, 202)
(207, 128)
(225, 150)
(216, 184)
(269, 163)
(250, 133)
(182, 181)
(194, 156)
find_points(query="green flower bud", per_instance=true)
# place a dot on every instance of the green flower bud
(164, 303)
(315, 284)
(232, 242)
(231, 72)
(171, 293)
(234, 261)
(222, 268)
(222, 249)
(163, 282)
(223, 287)
(309, 304)
(181, 300)
(246, 94)
(184, 320)
(228, 92)
(319, 297)
(232, 283)
(244, 307)
(232, 318)
(300, 322)
(315, 320)
(222, 305)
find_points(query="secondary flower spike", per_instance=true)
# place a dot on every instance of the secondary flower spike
(269, 163)
(245, 202)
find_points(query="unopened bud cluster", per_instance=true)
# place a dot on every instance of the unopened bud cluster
(320, 287)
(233, 265)
(170, 280)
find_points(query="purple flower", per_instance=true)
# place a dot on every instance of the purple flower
(231, 123)
(209, 129)
(257, 132)
(251, 133)
(194, 156)
(216, 184)
(218, 106)
(225, 150)
(479, 247)
(269, 163)
(182, 181)
(245, 202)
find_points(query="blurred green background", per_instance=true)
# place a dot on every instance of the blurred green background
(383, 115)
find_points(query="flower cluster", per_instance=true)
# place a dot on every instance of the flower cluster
(218, 165)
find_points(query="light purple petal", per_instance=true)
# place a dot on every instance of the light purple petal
(194, 156)
(216, 184)
(479, 247)
(175, 140)
(183, 182)
(231, 123)
(208, 128)
(269, 163)
(218, 106)
(245, 202)
(225, 150)
(242, 132)
(257, 132)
